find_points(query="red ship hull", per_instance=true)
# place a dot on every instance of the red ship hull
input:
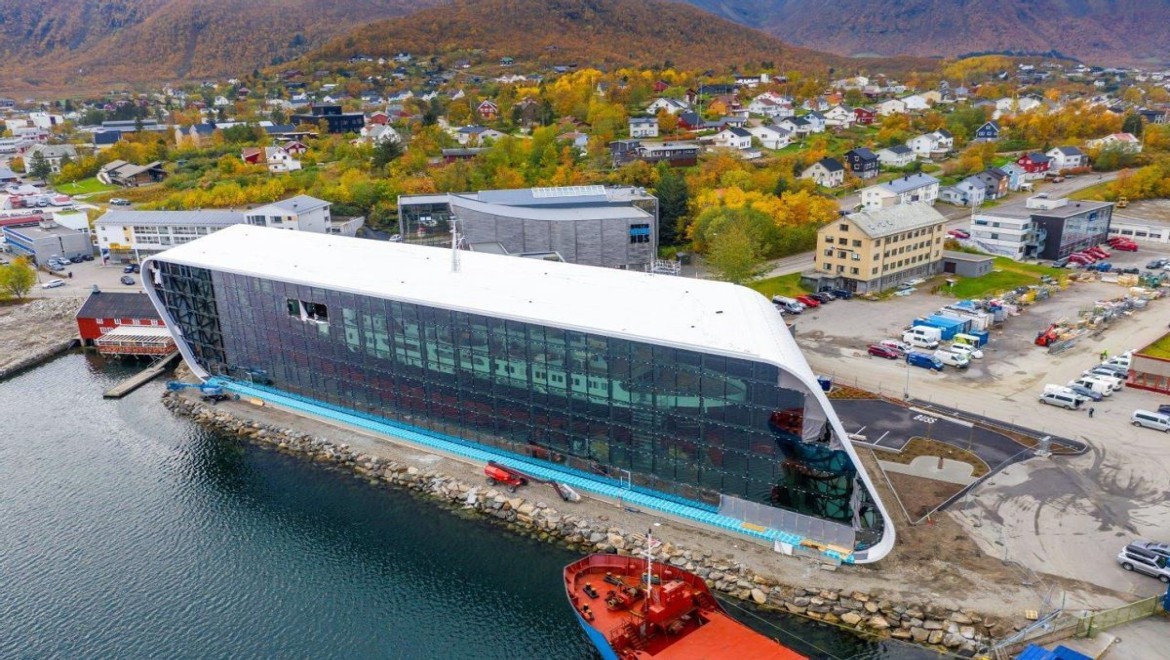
(675, 618)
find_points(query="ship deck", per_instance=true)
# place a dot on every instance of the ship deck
(709, 635)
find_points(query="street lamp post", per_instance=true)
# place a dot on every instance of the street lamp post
(906, 389)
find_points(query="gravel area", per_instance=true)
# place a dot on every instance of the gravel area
(35, 328)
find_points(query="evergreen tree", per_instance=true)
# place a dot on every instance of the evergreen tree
(1132, 124)
(386, 151)
(39, 168)
(673, 199)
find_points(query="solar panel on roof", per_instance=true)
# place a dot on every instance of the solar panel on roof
(567, 191)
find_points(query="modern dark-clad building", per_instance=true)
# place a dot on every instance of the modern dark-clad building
(338, 121)
(1042, 227)
(692, 390)
(613, 227)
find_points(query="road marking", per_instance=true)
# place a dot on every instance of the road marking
(925, 418)
(935, 417)
(882, 437)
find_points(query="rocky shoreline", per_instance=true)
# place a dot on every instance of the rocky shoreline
(957, 631)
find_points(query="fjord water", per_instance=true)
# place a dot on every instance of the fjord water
(126, 532)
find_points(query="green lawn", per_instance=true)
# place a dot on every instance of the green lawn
(1095, 192)
(84, 187)
(784, 285)
(1158, 349)
(1007, 274)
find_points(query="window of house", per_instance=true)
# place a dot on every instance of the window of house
(857, 256)
(840, 254)
(856, 243)
(854, 271)
(840, 269)
(308, 311)
(828, 252)
(994, 236)
(874, 271)
(843, 227)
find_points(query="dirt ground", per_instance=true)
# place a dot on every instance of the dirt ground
(28, 328)
(920, 495)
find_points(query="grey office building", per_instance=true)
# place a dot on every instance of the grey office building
(589, 225)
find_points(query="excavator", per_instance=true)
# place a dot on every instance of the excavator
(209, 393)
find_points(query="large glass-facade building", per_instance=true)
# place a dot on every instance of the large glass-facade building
(688, 388)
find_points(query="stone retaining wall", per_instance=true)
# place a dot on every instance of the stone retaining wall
(961, 632)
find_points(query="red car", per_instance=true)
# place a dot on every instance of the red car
(1099, 253)
(883, 351)
(1125, 247)
(958, 233)
(808, 301)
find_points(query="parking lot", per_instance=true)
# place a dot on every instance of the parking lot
(1062, 516)
(85, 275)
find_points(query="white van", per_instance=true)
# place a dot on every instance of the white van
(922, 337)
(1119, 361)
(953, 359)
(1061, 400)
(1150, 420)
(790, 305)
(1097, 386)
(1115, 383)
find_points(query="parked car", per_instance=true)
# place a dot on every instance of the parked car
(924, 360)
(902, 347)
(1116, 369)
(1151, 420)
(968, 350)
(127, 280)
(1156, 264)
(119, 201)
(1140, 560)
(1060, 263)
(822, 297)
(130, 268)
(1125, 247)
(1130, 271)
(844, 294)
(1069, 400)
(53, 284)
(808, 301)
(883, 352)
(1085, 392)
(958, 233)
(1156, 547)
(87, 257)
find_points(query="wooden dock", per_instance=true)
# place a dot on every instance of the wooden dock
(141, 378)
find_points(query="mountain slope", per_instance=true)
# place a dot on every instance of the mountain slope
(61, 43)
(588, 32)
(1104, 31)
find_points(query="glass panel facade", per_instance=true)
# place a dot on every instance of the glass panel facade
(686, 423)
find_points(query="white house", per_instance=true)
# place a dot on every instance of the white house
(904, 190)
(766, 106)
(827, 172)
(301, 213)
(771, 136)
(816, 122)
(1065, 158)
(54, 155)
(798, 126)
(475, 135)
(891, 107)
(1125, 141)
(932, 145)
(673, 106)
(898, 155)
(1011, 105)
(378, 133)
(279, 160)
(916, 102)
(840, 115)
(643, 127)
(733, 138)
(968, 192)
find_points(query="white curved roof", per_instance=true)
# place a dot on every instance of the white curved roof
(682, 312)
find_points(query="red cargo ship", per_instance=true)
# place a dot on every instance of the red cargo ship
(675, 617)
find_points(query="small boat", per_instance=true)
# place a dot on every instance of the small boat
(634, 608)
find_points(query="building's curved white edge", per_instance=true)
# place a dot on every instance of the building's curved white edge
(749, 299)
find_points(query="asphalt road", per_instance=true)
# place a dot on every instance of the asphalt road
(891, 426)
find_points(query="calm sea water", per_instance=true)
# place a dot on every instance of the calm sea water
(126, 532)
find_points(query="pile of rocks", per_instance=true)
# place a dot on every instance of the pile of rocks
(963, 632)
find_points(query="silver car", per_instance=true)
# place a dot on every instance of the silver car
(1139, 560)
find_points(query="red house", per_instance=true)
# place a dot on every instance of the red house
(660, 87)
(1035, 164)
(488, 110)
(380, 118)
(864, 116)
(295, 147)
(252, 155)
(105, 310)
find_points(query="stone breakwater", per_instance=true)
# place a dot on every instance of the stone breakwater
(958, 631)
